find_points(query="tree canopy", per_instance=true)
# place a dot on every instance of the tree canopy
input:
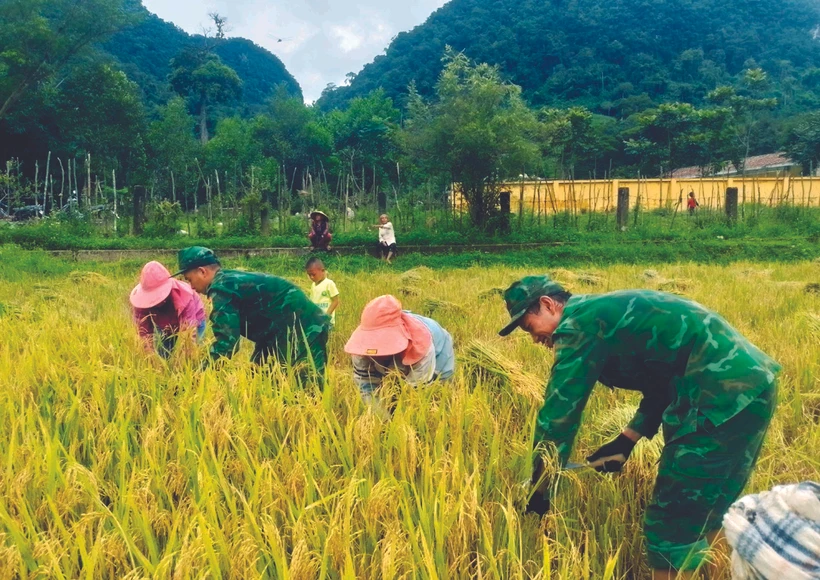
(612, 57)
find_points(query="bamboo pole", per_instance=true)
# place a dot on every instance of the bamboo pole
(114, 185)
(36, 181)
(88, 181)
(45, 183)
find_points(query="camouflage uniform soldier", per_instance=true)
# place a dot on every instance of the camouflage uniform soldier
(272, 312)
(711, 389)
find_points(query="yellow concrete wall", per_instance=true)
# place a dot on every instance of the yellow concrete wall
(602, 195)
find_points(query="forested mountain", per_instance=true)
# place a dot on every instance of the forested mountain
(144, 51)
(615, 57)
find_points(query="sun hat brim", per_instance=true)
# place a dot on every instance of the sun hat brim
(317, 212)
(377, 342)
(142, 298)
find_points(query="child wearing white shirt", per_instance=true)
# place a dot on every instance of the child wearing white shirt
(387, 238)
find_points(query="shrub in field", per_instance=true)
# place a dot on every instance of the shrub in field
(164, 219)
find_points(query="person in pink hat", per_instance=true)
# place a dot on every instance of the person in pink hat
(164, 307)
(389, 338)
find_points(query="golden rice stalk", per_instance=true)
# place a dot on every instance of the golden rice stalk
(486, 358)
(789, 285)
(813, 320)
(757, 273)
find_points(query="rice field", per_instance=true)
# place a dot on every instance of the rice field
(119, 465)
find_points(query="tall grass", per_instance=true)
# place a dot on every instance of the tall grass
(115, 465)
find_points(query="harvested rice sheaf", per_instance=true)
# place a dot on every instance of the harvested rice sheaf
(88, 278)
(491, 293)
(487, 359)
(812, 288)
(416, 275)
(409, 291)
(433, 305)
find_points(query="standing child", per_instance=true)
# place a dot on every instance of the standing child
(323, 291)
(692, 203)
(387, 238)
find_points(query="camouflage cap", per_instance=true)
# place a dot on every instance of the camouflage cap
(523, 294)
(195, 257)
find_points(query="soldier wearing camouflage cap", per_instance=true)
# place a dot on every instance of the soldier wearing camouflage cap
(710, 388)
(270, 311)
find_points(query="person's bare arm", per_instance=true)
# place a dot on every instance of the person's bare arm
(334, 304)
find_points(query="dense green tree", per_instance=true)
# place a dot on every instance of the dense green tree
(291, 133)
(39, 37)
(205, 81)
(477, 130)
(663, 138)
(233, 149)
(99, 111)
(747, 106)
(367, 138)
(573, 140)
(803, 142)
(173, 147)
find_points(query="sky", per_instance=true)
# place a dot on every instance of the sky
(321, 40)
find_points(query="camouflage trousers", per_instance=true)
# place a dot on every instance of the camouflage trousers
(307, 352)
(700, 475)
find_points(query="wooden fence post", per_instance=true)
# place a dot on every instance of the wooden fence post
(731, 204)
(623, 208)
(138, 199)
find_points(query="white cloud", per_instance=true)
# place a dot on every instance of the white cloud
(348, 39)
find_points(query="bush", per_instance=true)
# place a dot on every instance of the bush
(163, 220)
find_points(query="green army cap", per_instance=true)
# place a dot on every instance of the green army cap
(523, 294)
(195, 257)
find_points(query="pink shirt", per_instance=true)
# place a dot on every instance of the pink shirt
(184, 310)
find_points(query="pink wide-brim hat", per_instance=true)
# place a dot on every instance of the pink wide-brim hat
(154, 287)
(385, 330)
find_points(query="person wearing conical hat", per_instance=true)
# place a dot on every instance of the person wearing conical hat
(270, 311)
(711, 390)
(164, 308)
(319, 234)
(389, 338)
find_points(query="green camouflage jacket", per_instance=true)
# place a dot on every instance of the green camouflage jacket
(262, 308)
(684, 358)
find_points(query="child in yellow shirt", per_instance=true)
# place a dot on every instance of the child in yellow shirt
(323, 291)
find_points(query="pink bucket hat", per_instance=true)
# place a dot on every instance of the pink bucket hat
(154, 287)
(385, 330)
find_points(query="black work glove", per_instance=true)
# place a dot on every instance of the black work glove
(540, 501)
(610, 458)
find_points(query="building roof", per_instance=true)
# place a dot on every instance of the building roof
(753, 163)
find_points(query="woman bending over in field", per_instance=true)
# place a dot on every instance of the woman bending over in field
(165, 308)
